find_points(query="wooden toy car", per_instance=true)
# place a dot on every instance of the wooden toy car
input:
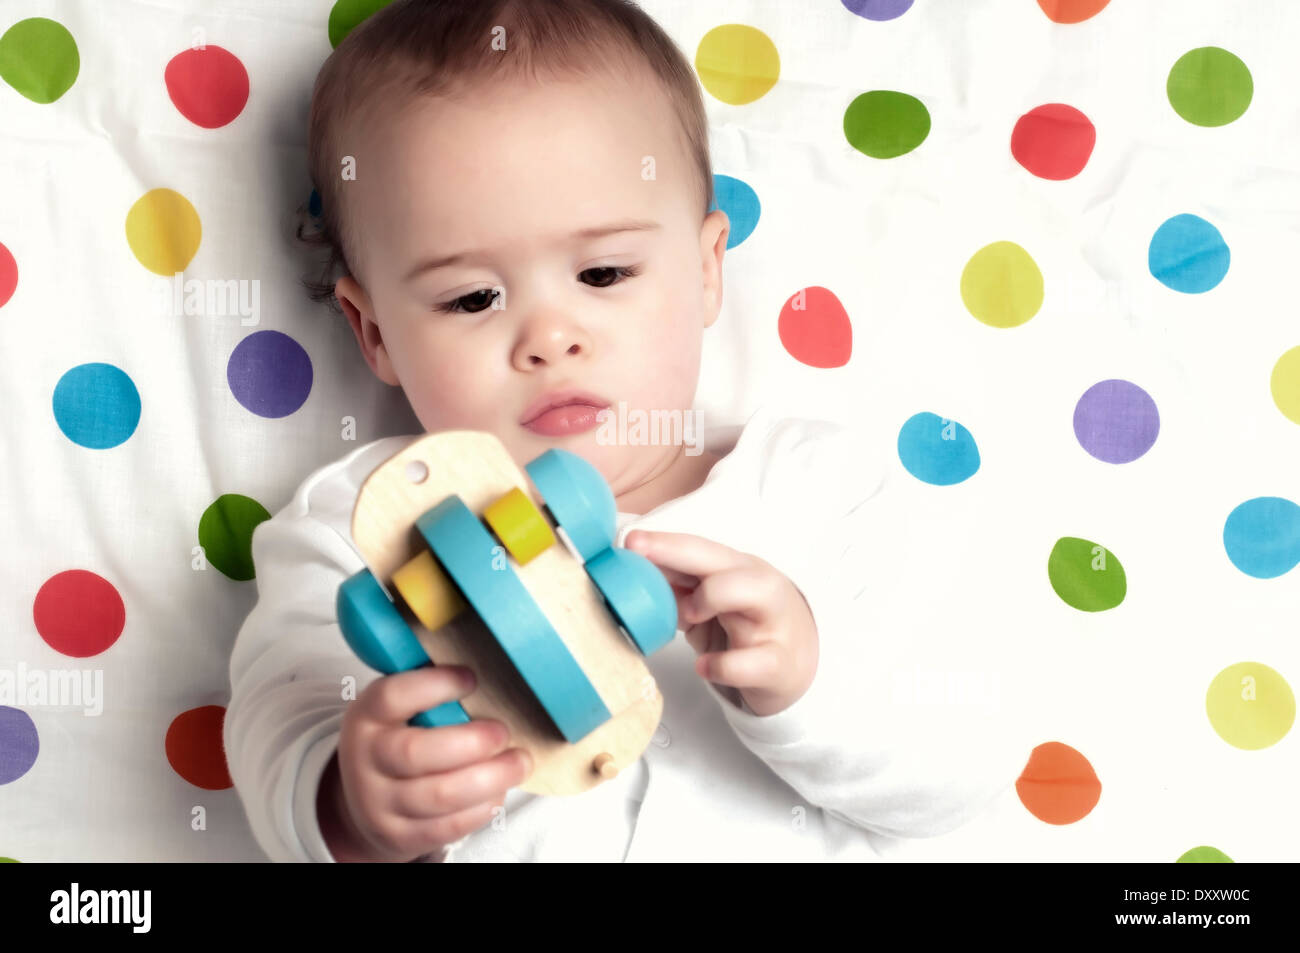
(555, 633)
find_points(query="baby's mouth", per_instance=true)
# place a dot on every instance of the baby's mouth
(562, 421)
(563, 412)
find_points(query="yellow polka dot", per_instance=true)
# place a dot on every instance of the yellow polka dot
(1285, 384)
(737, 63)
(1250, 705)
(163, 231)
(1001, 285)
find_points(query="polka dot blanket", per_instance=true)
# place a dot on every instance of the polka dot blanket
(1038, 249)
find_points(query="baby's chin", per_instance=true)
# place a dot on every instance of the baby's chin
(586, 445)
(614, 461)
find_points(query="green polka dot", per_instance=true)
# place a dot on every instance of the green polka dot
(1250, 705)
(9, 860)
(1086, 575)
(38, 57)
(884, 123)
(346, 14)
(226, 533)
(1204, 855)
(1210, 87)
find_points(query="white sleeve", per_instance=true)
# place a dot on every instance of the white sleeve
(287, 675)
(848, 745)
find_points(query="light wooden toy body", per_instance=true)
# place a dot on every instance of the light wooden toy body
(472, 574)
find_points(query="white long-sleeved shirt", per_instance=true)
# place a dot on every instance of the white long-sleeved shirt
(840, 773)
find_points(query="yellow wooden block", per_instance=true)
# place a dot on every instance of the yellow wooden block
(519, 525)
(433, 597)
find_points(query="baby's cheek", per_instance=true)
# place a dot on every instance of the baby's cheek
(444, 396)
(675, 325)
(677, 350)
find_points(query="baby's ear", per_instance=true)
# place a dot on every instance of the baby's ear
(356, 306)
(713, 246)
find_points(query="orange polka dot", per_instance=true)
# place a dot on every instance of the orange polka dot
(1072, 11)
(1058, 785)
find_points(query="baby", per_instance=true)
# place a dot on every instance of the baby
(517, 195)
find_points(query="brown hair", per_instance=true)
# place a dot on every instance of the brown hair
(437, 47)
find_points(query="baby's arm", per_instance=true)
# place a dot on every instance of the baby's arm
(287, 675)
(849, 748)
(853, 744)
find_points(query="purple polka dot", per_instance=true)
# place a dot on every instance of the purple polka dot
(1116, 421)
(878, 9)
(270, 374)
(18, 744)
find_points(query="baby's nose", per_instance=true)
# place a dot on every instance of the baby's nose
(551, 344)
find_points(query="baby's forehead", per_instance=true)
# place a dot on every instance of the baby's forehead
(536, 158)
(634, 91)
(570, 120)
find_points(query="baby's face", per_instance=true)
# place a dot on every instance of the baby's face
(492, 234)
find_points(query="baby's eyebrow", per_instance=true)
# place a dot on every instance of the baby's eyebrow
(602, 230)
(596, 231)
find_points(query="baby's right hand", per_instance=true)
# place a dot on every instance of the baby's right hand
(394, 792)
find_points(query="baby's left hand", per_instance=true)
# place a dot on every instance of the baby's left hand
(750, 624)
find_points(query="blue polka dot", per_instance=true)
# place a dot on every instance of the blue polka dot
(1262, 536)
(937, 450)
(1188, 254)
(96, 405)
(741, 204)
(313, 204)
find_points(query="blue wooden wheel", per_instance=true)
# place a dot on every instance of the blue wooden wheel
(465, 550)
(579, 499)
(380, 637)
(638, 595)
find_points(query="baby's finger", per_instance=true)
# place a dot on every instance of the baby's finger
(396, 699)
(411, 752)
(449, 791)
(752, 593)
(680, 596)
(679, 580)
(700, 637)
(756, 667)
(685, 553)
(450, 828)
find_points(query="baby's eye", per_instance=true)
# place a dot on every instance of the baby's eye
(609, 275)
(476, 301)
(470, 303)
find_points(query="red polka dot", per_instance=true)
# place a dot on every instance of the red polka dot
(1058, 784)
(209, 86)
(79, 613)
(1053, 141)
(815, 328)
(8, 275)
(194, 748)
